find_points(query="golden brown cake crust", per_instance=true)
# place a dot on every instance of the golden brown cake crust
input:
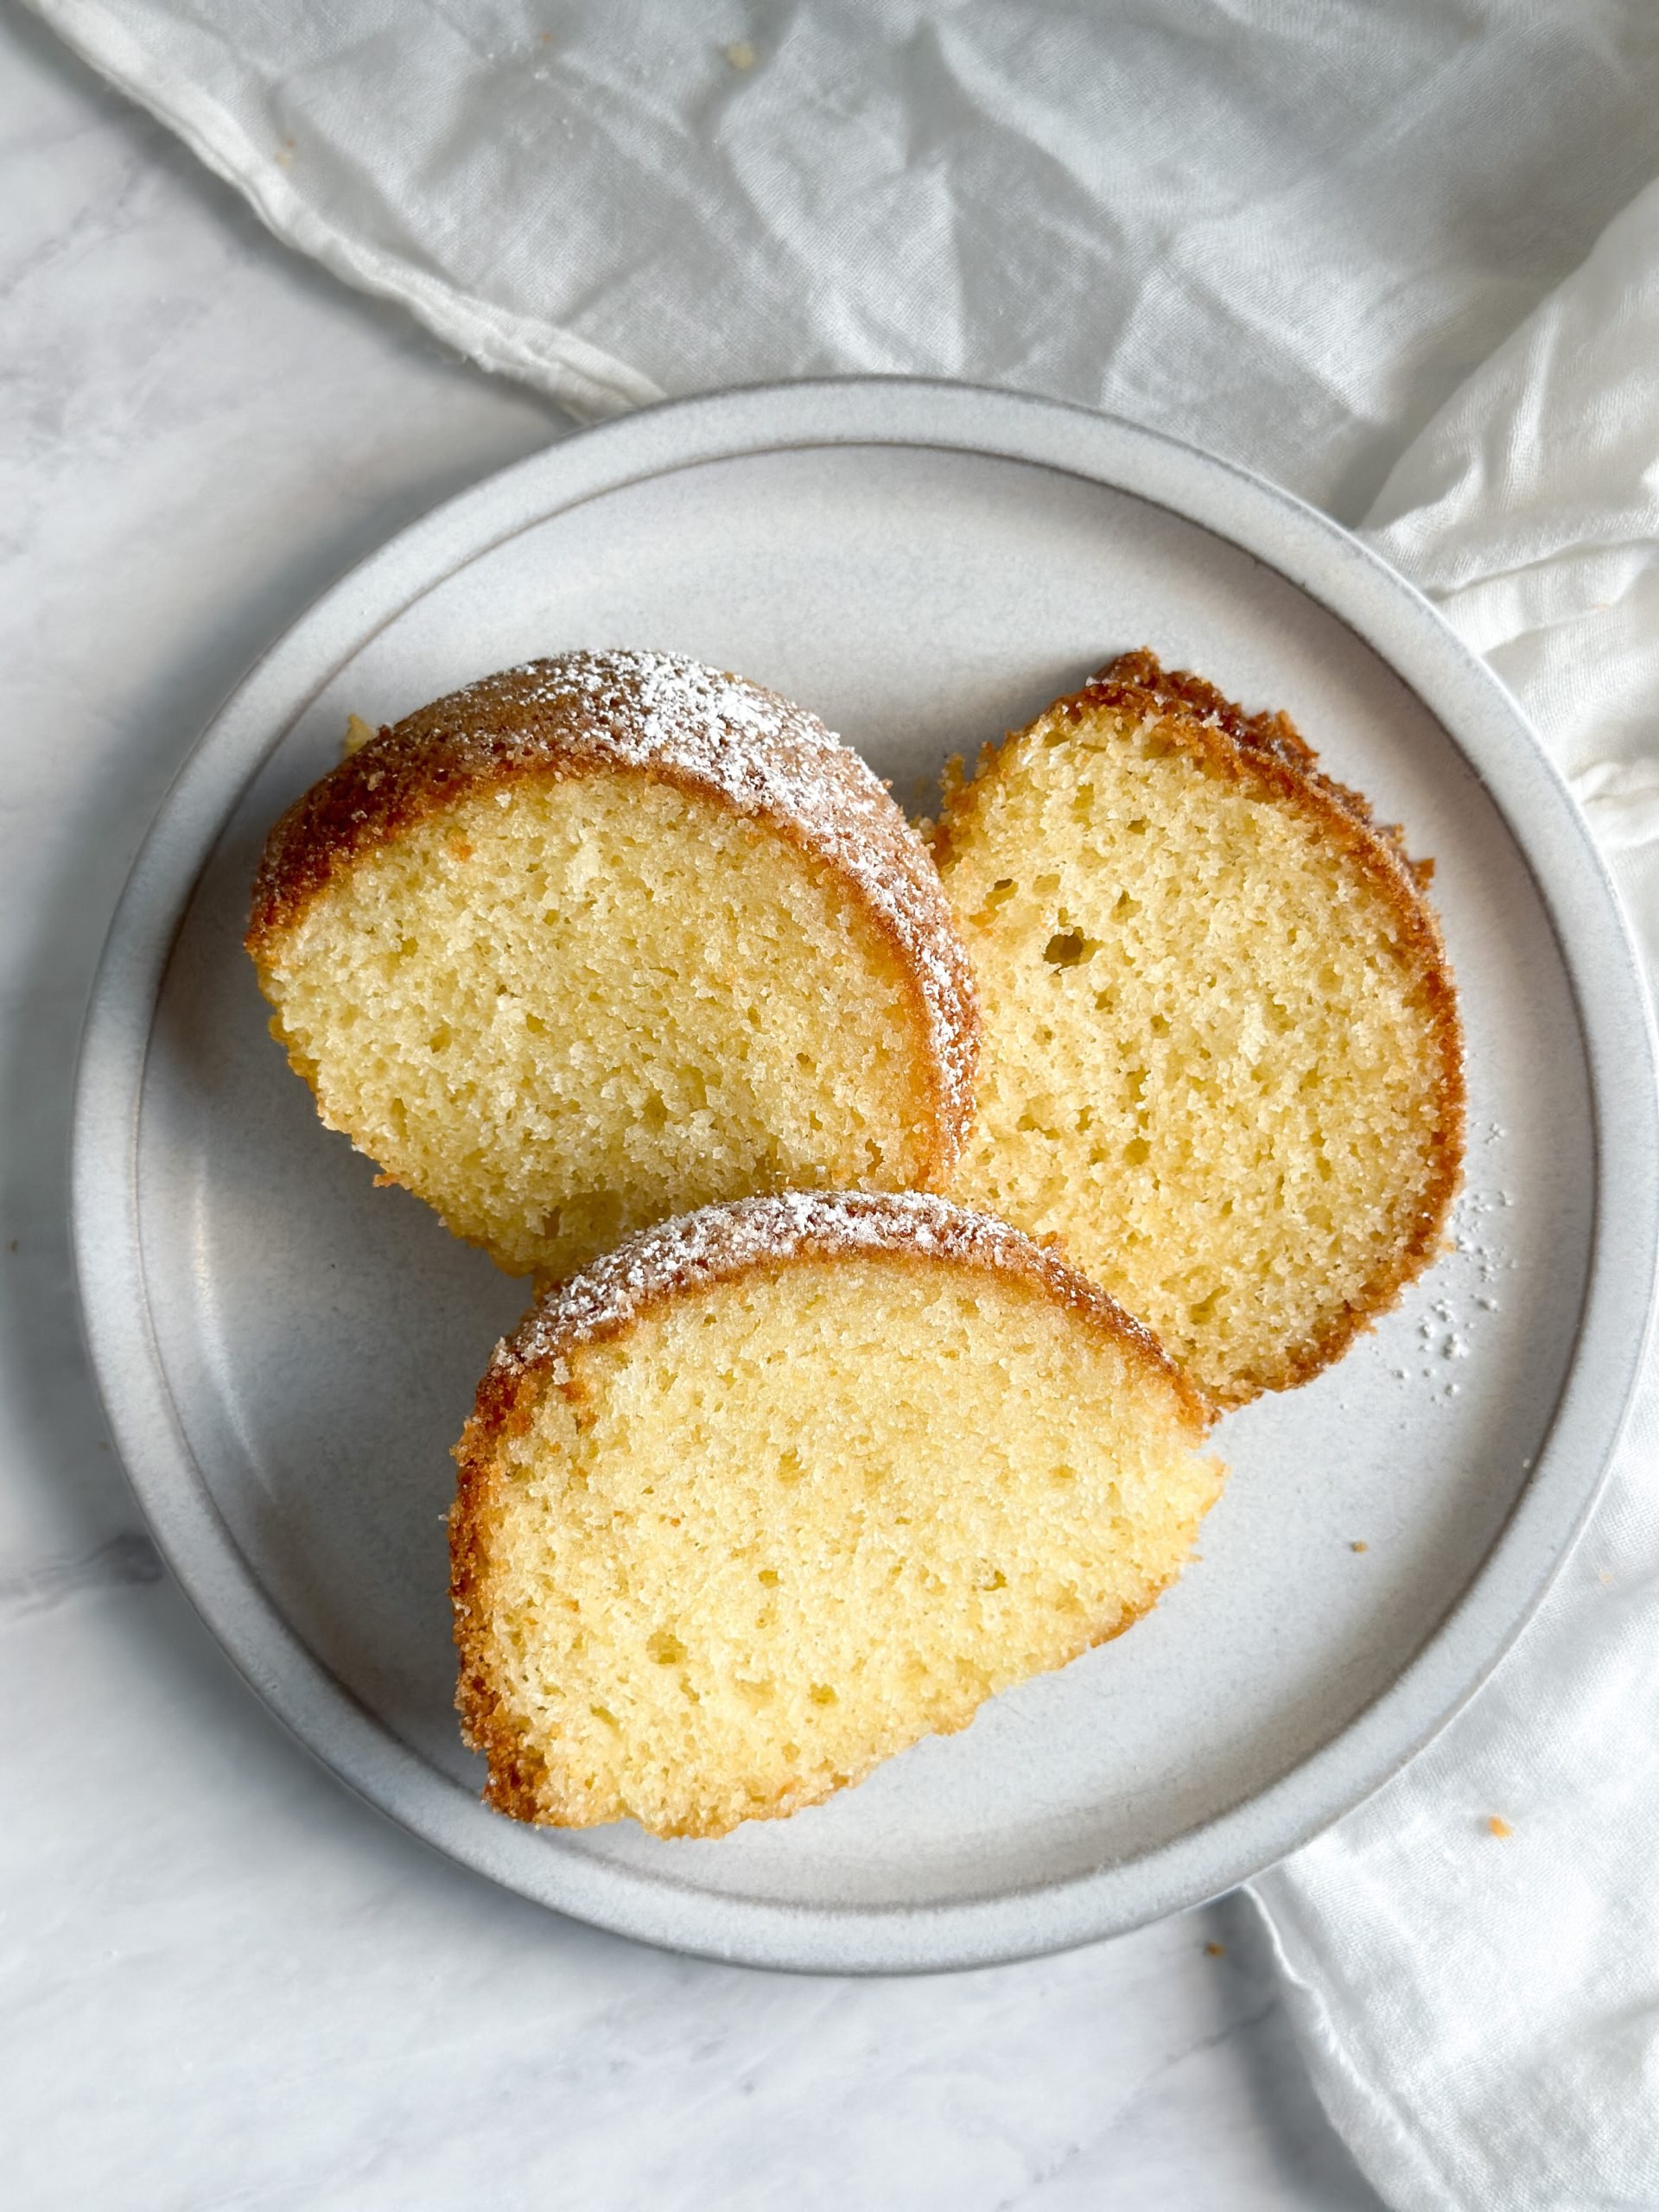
(672, 721)
(699, 1252)
(1267, 751)
(722, 1244)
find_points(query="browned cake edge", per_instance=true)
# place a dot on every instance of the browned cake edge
(1267, 751)
(669, 720)
(697, 1253)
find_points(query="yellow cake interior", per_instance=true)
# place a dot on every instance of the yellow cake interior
(561, 1009)
(1211, 1059)
(783, 1527)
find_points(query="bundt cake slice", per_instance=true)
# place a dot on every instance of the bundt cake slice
(768, 1493)
(608, 936)
(1221, 1055)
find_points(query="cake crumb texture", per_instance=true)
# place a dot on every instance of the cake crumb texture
(769, 1494)
(1221, 1057)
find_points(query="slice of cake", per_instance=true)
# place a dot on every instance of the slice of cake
(770, 1492)
(1221, 1056)
(611, 936)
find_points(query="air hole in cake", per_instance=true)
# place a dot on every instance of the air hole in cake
(1067, 948)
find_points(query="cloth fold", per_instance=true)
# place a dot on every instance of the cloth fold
(1481, 2011)
(1285, 229)
(1399, 256)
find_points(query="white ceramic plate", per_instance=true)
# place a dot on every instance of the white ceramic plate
(287, 1353)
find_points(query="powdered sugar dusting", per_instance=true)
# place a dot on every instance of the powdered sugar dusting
(718, 1243)
(650, 709)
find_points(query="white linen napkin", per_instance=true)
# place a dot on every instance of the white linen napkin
(1294, 233)
(1287, 229)
(1481, 2011)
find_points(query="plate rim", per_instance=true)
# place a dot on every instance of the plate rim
(1597, 952)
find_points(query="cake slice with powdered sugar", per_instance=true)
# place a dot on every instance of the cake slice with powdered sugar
(609, 936)
(760, 1499)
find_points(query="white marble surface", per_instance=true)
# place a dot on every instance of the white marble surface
(226, 1982)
